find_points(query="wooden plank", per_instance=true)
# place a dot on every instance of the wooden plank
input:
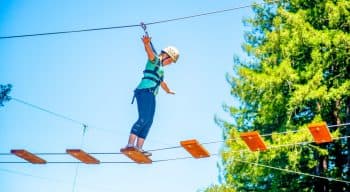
(320, 132)
(135, 155)
(28, 156)
(195, 148)
(254, 141)
(82, 156)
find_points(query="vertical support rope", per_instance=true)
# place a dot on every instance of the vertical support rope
(77, 166)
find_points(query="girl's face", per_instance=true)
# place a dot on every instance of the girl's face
(167, 60)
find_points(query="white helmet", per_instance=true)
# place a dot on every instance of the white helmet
(172, 52)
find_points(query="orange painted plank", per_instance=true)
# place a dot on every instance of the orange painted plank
(320, 132)
(82, 156)
(136, 155)
(28, 156)
(195, 148)
(254, 141)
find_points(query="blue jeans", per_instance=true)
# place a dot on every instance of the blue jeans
(146, 104)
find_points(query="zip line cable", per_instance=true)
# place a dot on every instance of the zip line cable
(203, 14)
(65, 32)
(134, 25)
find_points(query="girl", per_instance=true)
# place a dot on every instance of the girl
(147, 90)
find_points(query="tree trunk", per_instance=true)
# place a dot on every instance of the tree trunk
(321, 185)
(347, 120)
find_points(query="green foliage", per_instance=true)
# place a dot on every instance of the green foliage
(297, 73)
(4, 93)
(219, 188)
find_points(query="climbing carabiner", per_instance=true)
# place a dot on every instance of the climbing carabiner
(144, 27)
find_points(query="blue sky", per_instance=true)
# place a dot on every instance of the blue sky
(90, 77)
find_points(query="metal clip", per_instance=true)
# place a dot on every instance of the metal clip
(144, 27)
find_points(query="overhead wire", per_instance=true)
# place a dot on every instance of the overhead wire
(77, 166)
(50, 112)
(135, 25)
(84, 125)
(65, 32)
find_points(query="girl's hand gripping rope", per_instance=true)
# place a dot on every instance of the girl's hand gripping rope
(146, 39)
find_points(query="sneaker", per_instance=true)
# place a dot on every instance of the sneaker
(146, 153)
(128, 146)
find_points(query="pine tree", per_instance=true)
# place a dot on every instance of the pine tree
(297, 72)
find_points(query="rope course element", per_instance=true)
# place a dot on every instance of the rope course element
(204, 143)
(189, 157)
(160, 149)
(134, 25)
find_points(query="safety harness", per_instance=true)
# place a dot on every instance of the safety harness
(157, 79)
